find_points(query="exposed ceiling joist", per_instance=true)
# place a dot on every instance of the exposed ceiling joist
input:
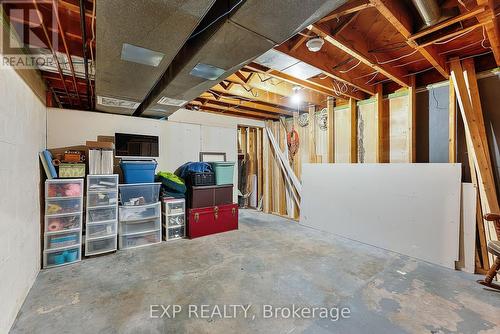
(401, 19)
(323, 62)
(240, 105)
(349, 8)
(360, 52)
(491, 26)
(230, 111)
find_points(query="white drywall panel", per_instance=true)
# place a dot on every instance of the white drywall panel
(468, 222)
(412, 209)
(22, 136)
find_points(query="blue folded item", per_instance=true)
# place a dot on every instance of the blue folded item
(192, 167)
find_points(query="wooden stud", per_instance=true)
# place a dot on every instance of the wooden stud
(297, 167)
(312, 130)
(266, 172)
(331, 129)
(382, 127)
(452, 126)
(260, 169)
(354, 130)
(412, 120)
(243, 140)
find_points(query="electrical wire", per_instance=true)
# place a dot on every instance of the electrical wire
(484, 39)
(217, 19)
(456, 37)
(396, 59)
(411, 62)
(352, 68)
(400, 45)
(371, 80)
(366, 75)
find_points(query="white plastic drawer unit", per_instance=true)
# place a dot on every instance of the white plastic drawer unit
(139, 194)
(98, 230)
(131, 213)
(174, 220)
(62, 240)
(104, 214)
(174, 207)
(99, 246)
(65, 205)
(138, 240)
(102, 198)
(175, 233)
(102, 183)
(63, 223)
(55, 258)
(63, 188)
(140, 226)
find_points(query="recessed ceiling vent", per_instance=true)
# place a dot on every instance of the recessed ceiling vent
(116, 103)
(140, 55)
(206, 71)
(166, 101)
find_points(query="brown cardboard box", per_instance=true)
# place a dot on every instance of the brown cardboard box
(100, 145)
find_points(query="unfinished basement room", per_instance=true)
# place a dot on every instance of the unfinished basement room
(249, 166)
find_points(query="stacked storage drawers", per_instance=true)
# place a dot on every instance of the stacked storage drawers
(174, 215)
(63, 222)
(139, 215)
(211, 210)
(102, 214)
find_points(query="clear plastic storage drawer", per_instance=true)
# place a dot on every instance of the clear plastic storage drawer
(174, 220)
(57, 206)
(138, 240)
(175, 233)
(63, 223)
(130, 213)
(139, 226)
(139, 194)
(62, 257)
(97, 230)
(105, 214)
(61, 240)
(63, 188)
(174, 207)
(99, 246)
(102, 182)
(102, 198)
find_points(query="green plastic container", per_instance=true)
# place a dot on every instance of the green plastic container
(224, 172)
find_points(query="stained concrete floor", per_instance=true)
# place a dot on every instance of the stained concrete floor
(268, 261)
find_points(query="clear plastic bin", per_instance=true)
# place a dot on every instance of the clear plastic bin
(139, 240)
(63, 223)
(99, 246)
(127, 228)
(59, 188)
(131, 213)
(102, 198)
(175, 233)
(97, 230)
(139, 194)
(175, 220)
(105, 214)
(173, 207)
(62, 257)
(102, 183)
(62, 240)
(58, 206)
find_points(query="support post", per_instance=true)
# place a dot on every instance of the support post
(331, 129)
(412, 118)
(354, 130)
(312, 130)
(452, 126)
(382, 127)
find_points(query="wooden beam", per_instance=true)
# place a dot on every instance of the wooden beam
(492, 26)
(399, 16)
(242, 104)
(324, 62)
(330, 138)
(231, 111)
(311, 131)
(354, 130)
(412, 120)
(472, 125)
(383, 123)
(360, 52)
(266, 202)
(320, 86)
(431, 41)
(452, 125)
(348, 8)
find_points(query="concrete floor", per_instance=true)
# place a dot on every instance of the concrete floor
(268, 261)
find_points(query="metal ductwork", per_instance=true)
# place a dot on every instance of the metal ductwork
(429, 10)
(252, 28)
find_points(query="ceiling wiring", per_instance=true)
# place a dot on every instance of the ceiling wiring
(352, 68)
(456, 37)
(396, 59)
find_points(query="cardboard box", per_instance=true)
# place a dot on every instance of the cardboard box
(104, 145)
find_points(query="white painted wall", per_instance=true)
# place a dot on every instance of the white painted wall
(182, 137)
(22, 136)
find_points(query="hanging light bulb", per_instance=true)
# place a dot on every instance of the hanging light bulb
(296, 98)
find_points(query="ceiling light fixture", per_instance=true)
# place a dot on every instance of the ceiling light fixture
(315, 44)
(296, 98)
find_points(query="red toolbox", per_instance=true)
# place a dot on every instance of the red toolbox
(211, 220)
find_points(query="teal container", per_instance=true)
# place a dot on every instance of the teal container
(224, 171)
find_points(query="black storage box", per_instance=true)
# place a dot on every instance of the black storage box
(202, 179)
